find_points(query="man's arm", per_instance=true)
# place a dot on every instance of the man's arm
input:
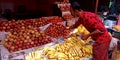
(97, 31)
(95, 24)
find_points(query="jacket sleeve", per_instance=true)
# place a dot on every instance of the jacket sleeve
(96, 23)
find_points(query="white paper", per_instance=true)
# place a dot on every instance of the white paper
(3, 35)
(4, 53)
(43, 28)
(18, 57)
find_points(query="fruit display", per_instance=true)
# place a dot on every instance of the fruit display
(65, 7)
(53, 55)
(57, 30)
(10, 26)
(37, 55)
(81, 30)
(61, 1)
(24, 39)
(26, 33)
(55, 19)
(72, 49)
(67, 16)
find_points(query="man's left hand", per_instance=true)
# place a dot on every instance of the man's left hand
(85, 37)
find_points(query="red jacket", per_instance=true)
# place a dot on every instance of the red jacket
(92, 22)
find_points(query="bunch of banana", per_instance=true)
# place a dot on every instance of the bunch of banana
(61, 56)
(80, 46)
(75, 41)
(79, 43)
(53, 54)
(79, 31)
(87, 51)
(49, 52)
(82, 30)
(59, 48)
(72, 49)
(34, 56)
(72, 53)
(76, 52)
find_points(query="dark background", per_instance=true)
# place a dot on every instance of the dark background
(37, 8)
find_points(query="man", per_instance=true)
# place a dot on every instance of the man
(97, 31)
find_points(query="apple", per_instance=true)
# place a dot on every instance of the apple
(23, 33)
(12, 47)
(32, 42)
(19, 49)
(56, 30)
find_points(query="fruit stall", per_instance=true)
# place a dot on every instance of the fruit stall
(44, 38)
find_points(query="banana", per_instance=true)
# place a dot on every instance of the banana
(34, 56)
(73, 48)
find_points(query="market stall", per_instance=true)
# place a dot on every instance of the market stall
(23, 38)
(45, 38)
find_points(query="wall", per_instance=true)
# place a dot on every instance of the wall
(29, 4)
(44, 5)
(88, 5)
(34, 5)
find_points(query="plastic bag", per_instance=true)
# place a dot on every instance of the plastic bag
(3, 35)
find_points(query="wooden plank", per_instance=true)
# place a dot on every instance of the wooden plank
(96, 6)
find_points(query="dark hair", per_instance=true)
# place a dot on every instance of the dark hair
(75, 5)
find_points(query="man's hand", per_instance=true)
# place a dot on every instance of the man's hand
(85, 37)
(97, 31)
